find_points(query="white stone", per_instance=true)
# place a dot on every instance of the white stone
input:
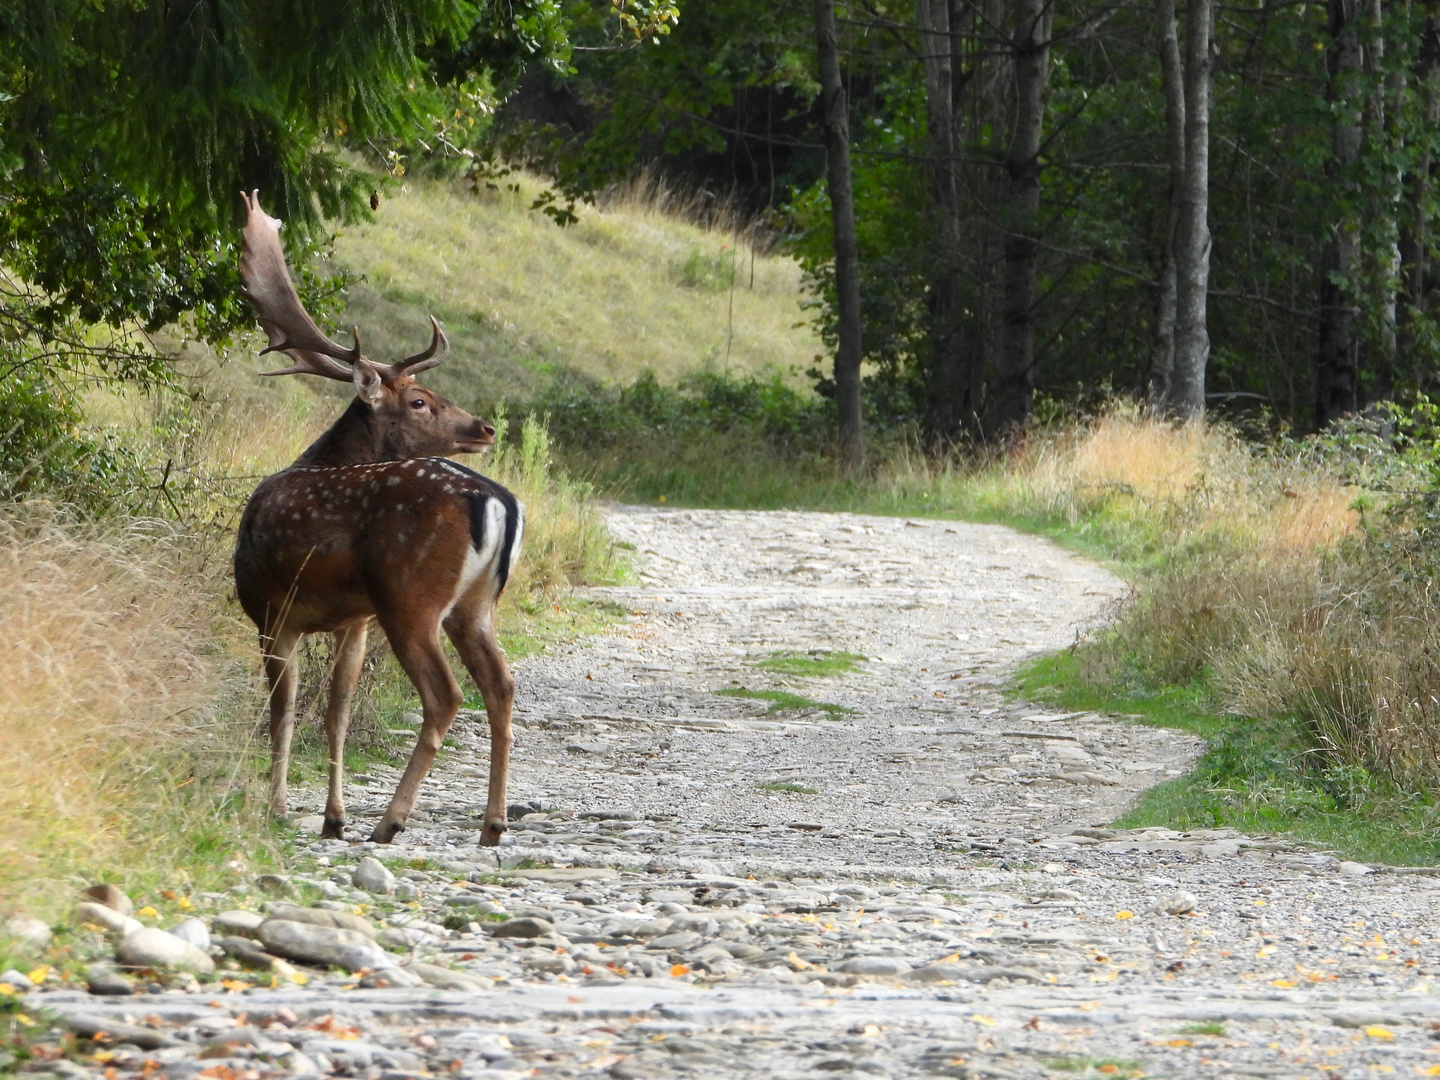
(151, 947)
(29, 930)
(194, 931)
(374, 877)
(88, 911)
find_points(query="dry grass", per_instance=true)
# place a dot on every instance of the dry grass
(109, 707)
(1262, 586)
(131, 711)
(607, 297)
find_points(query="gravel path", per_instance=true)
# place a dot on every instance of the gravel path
(914, 881)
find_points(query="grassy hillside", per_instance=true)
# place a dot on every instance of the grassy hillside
(626, 289)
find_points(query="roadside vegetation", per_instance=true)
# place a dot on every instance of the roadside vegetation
(1282, 586)
(132, 740)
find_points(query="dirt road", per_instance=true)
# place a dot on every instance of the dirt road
(894, 873)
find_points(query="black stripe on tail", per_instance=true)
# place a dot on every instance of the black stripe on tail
(479, 496)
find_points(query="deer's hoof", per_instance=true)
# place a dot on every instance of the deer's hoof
(386, 831)
(334, 829)
(493, 831)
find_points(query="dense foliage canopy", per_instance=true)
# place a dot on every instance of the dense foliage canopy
(1322, 146)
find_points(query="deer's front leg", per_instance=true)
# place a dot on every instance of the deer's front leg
(279, 653)
(422, 659)
(476, 644)
(349, 655)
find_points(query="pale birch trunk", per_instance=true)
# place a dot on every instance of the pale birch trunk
(1192, 250)
(1162, 354)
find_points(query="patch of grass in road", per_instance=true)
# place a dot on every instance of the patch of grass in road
(1057, 680)
(1256, 776)
(1101, 1066)
(784, 701)
(786, 786)
(1209, 1027)
(816, 664)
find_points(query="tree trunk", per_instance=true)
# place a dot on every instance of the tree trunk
(949, 370)
(1015, 375)
(1415, 238)
(1337, 359)
(1192, 255)
(835, 118)
(1379, 383)
(1162, 354)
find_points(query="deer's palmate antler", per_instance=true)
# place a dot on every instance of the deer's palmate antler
(372, 522)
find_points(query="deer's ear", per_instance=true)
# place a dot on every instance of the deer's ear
(369, 387)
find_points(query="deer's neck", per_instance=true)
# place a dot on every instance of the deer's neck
(354, 439)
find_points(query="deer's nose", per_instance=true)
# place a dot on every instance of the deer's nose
(487, 430)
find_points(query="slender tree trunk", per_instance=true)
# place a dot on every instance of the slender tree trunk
(1192, 254)
(1379, 383)
(1415, 238)
(1337, 359)
(1015, 375)
(835, 113)
(948, 374)
(1162, 354)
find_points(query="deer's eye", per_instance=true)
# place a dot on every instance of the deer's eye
(418, 403)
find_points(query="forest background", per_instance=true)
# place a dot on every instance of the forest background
(1157, 281)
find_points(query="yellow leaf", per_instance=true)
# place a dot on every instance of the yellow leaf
(299, 978)
(1263, 952)
(1180, 1042)
(38, 975)
(104, 1057)
(21, 1018)
(977, 1018)
(1375, 1031)
(6, 990)
(146, 912)
(234, 985)
(683, 969)
(1283, 984)
(185, 904)
(798, 964)
(1433, 1070)
(1124, 914)
(1259, 903)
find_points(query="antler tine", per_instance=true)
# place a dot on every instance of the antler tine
(422, 361)
(265, 282)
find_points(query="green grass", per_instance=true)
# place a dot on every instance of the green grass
(1087, 1065)
(812, 665)
(623, 290)
(784, 701)
(1209, 1027)
(1254, 775)
(786, 786)
(1057, 680)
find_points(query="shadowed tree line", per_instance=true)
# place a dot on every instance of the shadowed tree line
(1208, 206)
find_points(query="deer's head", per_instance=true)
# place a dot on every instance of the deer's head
(403, 418)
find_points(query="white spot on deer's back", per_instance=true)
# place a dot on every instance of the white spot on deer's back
(391, 481)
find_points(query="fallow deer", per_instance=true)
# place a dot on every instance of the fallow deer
(373, 522)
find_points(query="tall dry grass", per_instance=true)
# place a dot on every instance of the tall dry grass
(1254, 576)
(113, 704)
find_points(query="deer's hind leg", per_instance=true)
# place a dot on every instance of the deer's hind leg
(472, 628)
(279, 653)
(415, 636)
(348, 657)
